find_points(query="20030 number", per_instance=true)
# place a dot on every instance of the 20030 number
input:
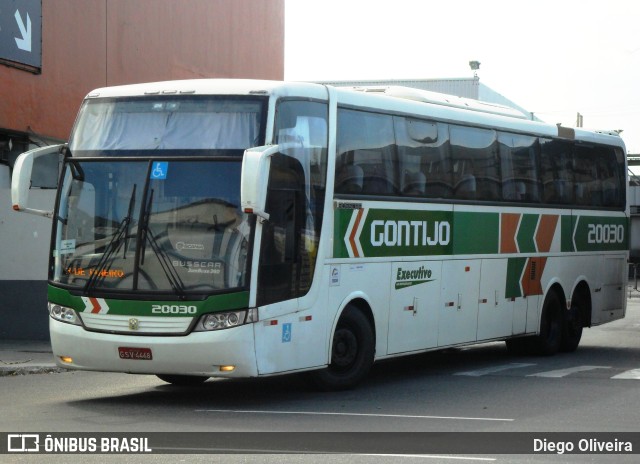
(605, 233)
(173, 309)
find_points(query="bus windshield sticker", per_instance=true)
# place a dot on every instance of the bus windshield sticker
(67, 246)
(159, 170)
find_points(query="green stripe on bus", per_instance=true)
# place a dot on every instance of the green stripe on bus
(476, 233)
(598, 233)
(515, 267)
(214, 303)
(566, 234)
(373, 232)
(526, 233)
(340, 225)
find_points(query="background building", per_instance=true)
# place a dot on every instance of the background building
(54, 52)
(460, 87)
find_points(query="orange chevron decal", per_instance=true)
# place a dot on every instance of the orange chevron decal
(352, 236)
(532, 276)
(508, 227)
(96, 305)
(546, 231)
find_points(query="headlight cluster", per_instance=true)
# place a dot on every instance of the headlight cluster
(64, 314)
(226, 320)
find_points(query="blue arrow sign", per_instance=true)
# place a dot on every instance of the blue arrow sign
(25, 42)
(21, 33)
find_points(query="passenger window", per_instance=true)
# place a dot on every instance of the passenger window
(611, 176)
(556, 163)
(366, 162)
(423, 149)
(475, 163)
(587, 184)
(518, 154)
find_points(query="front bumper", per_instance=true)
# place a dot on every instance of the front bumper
(199, 353)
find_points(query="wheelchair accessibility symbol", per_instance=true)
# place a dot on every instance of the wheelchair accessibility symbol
(159, 170)
(286, 333)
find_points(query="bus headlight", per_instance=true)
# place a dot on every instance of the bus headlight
(63, 314)
(226, 320)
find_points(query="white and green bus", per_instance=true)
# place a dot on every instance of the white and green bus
(232, 228)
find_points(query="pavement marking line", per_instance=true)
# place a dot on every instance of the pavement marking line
(427, 456)
(270, 451)
(319, 413)
(633, 374)
(564, 372)
(494, 369)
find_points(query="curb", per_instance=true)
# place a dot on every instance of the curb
(26, 370)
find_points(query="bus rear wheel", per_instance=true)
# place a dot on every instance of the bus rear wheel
(182, 380)
(572, 329)
(549, 340)
(352, 353)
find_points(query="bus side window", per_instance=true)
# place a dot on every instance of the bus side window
(610, 166)
(518, 154)
(366, 161)
(280, 260)
(349, 176)
(423, 158)
(474, 153)
(587, 186)
(557, 171)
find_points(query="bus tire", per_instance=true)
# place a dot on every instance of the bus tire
(519, 346)
(571, 329)
(182, 380)
(549, 340)
(352, 353)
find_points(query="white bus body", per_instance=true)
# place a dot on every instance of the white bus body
(371, 225)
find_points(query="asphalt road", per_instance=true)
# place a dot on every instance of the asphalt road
(475, 389)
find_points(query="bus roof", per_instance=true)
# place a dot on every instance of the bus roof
(402, 100)
(212, 87)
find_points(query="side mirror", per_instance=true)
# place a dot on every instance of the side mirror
(21, 179)
(256, 164)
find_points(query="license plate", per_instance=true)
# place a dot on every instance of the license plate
(135, 353)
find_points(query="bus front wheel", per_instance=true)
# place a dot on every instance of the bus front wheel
(352, 353)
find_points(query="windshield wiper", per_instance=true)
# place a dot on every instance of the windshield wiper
(144, 228)
(146, 235)
(113, 246)
(165, 264)
(76, 171)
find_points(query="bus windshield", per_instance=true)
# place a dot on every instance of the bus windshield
(150, 196)
(174, 125)
(153, 226)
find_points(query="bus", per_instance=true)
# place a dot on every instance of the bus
(244, 228)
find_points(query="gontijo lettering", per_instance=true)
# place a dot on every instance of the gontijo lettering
(416, 233)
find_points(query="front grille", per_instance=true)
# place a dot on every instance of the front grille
(145, 324)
